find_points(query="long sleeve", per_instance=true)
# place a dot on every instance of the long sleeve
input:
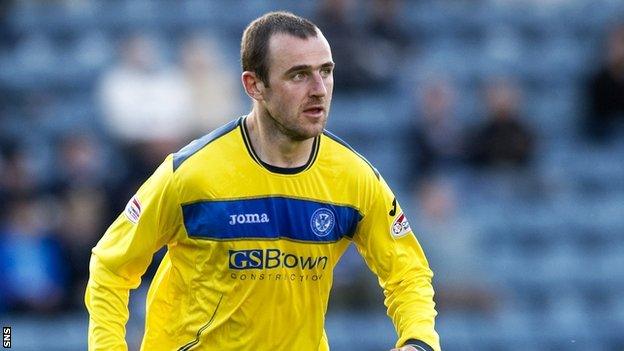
(123, 254)
(390, 249)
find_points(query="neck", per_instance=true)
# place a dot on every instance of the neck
(274, 147)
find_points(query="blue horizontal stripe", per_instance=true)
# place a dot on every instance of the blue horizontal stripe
(270, 218)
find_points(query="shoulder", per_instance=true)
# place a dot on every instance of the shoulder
(346, 157)
(203, 144)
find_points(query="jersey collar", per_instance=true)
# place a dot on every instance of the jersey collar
(275, 169)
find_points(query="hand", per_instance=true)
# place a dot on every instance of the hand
(406, 348)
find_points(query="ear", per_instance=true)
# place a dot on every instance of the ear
(254, 87)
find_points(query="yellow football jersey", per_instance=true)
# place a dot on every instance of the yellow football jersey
(251, 249)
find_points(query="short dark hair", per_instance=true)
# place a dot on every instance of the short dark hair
(255, 41)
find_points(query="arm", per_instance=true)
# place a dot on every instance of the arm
(392, 252)
(123, 254)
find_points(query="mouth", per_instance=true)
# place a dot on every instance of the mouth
(315, 111)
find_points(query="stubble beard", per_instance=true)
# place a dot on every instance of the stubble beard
(295, 130)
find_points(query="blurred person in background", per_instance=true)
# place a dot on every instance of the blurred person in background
(352, 275)
(385, 24)
(82, 187)
(434, 138)
(8, 35)
(19, 172)
(604, 91)
(84, 163)
(32, 262)
(214, 96)
(386, 41)
(453, 249)
(146, 106)
(5, 190)
(351, 49)
(503, 140)
(83, 212)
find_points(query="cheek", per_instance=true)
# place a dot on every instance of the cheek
(329, 85)
(284, 103)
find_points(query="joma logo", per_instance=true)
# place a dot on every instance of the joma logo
(248, 218)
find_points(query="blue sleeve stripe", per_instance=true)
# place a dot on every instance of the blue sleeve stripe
(343, 143)
(198, 144)
(270, 218)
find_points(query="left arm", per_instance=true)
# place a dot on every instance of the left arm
(392, 252)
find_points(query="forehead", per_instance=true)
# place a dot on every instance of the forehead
(286, 51)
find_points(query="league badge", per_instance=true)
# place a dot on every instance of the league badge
(133, 210)
(400, 226)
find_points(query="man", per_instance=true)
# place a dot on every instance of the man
(255, 216)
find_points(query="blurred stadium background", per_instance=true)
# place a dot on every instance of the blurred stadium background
(497, 122)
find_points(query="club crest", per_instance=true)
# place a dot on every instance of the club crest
(322, 221)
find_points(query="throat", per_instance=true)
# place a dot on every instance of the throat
(276, 151)
(282, 153)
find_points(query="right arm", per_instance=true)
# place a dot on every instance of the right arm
(123, 254)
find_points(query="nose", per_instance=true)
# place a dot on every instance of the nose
(318, 88)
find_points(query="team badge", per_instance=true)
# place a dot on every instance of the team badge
(400, 226)
(133, 210)
(322, 221)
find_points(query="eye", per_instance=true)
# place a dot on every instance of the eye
(326, 72)
(299, 76)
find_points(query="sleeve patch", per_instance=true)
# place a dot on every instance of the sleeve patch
(133, 210)
(400, 226)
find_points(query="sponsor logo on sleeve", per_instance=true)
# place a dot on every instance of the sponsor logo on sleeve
(400, 226)
(133, 210)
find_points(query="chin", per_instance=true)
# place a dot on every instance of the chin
(317, 128)
(307, 133)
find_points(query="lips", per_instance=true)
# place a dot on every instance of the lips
(314, 109)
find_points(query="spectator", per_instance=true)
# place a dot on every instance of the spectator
(83, 162)
(350, 275)
(8, 35)
(83, 214)
(349, 50)
(31, 258)
(451, 244)
(19, 173)
(605, 91)
(388, 41)
(5, 192)
(434, 137)
(215, 97)
(84, 208)
(146, 106)
(503, 140)
(385, 23)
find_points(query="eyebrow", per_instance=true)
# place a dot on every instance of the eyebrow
(307, 67)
